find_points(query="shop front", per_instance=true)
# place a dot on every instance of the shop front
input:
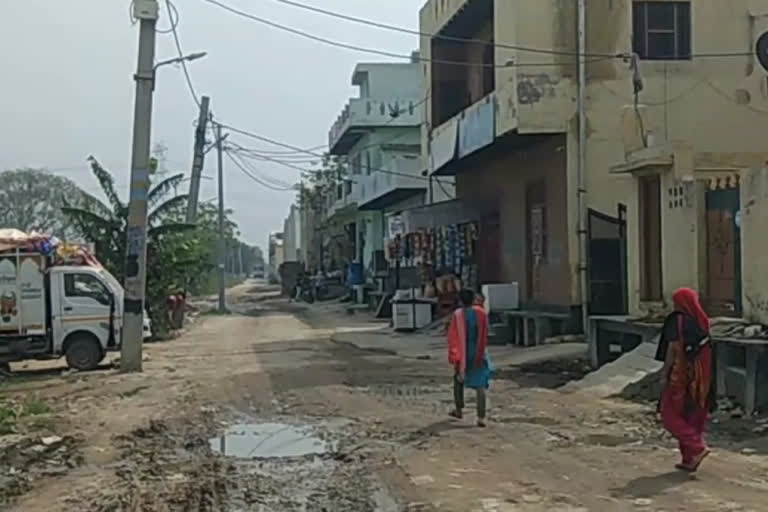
(440, 248)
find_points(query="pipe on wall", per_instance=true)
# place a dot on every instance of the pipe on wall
(582, 164)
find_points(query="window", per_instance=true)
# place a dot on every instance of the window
(357, 164)
(662, 30)
(86, 285)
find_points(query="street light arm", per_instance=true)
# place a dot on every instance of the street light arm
(176, 60)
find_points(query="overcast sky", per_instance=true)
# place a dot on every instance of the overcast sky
(67, 86)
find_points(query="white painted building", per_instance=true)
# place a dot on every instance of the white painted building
(292, 235)
(379, 135)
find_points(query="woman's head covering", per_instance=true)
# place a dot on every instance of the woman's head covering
(687, 301)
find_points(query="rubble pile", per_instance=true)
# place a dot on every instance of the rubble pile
(730, 329)
(25, 460)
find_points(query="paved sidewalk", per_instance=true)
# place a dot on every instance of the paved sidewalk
(433, 346)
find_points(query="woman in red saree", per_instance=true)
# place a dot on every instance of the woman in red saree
(687, 394)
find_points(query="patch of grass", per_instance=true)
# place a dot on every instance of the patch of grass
(35, 406)
(9, 416)
(11, 412)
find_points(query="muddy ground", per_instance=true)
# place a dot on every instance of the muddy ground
(259, 410)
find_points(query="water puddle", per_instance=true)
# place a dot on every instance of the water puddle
(268, 440)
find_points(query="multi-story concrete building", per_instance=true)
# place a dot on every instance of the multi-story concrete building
(276, 256)
(292, 236)
(672, 157)
(378, 135)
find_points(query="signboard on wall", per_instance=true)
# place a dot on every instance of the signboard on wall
(395, 226)
(478, 127)
(32, 298)
(442, 147)
(9, 308)
(537, 231)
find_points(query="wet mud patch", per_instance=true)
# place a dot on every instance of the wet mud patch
(547, 374)
(195, 464)
(25, 460)
(311, 467)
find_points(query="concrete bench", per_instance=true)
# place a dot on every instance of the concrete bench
(629, 333)
(742, 371)
(530, 328)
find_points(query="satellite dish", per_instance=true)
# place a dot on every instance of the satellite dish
(761, 48)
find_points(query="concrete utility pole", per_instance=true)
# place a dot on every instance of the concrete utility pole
(239, 259)
(222, 241)
(197, 161)
(136, 254)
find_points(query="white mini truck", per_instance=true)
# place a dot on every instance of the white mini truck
(48, 311)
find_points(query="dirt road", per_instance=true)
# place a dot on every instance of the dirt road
(260, 411)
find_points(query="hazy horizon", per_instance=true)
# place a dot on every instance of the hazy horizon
(69, 87)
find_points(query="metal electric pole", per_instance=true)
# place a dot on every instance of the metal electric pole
(222, 240)
(136, 253)
(197, 161)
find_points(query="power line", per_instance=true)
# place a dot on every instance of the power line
(728, 97)
(405, 30)
(597, 56)
(263, 176)
(170, 7)
(385, 53)
(305, 170)
(302, 170)
(254, 178)
(447, 194)
(653, 103)
(173, 21)
(288, 154)
(293, 159)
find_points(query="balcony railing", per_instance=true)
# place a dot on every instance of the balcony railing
(364, 113)
(471, 130)
(403, 174)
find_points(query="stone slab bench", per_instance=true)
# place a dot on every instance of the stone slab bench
(742, 371)
(630, 334)
(529, 327)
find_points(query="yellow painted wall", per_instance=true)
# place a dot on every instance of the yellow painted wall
(712, 104)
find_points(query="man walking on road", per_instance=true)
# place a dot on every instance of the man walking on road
(467, 344)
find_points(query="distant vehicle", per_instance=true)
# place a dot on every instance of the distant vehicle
(258, 273)
(146, 329)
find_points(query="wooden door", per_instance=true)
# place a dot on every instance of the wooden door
(489, 250)
(651, 278)
(723, 294)
(536, 217)
(607, 263)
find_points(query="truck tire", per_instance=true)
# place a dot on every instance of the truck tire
(84, 353)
